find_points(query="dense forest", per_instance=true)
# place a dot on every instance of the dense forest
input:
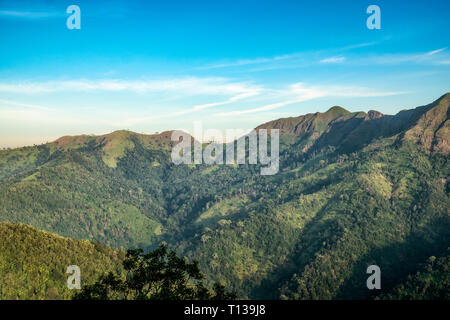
(354, 189)
(33, 263)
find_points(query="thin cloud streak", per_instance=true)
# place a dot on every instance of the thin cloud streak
(296, 55)
(245, 62)
(415, 58)
(28, 14)
(186, 87)
(280, 61)
(333, 60)
(25, 105)
(436, 51)
(195, 108)
(305, 93)
(189, 85)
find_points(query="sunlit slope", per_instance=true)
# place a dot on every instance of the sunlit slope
(354, 189)
(33, 263)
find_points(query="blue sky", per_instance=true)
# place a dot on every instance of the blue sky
(150, 66)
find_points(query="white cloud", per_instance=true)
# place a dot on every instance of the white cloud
(237, 63)
(282, 57)
(435, 51)
(25, 105)
(196, 108)
(333, 60)
(244, 62)
(414, 58)
(206, 88)
(263, 108)
(305, 59)
(362, 45)
(300, 92)
(188, 85)
(244, 95)
(27, 14)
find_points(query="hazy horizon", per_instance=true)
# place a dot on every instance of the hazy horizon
(151, 67)
(45, 140)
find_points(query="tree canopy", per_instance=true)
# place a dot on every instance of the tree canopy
(157, 275)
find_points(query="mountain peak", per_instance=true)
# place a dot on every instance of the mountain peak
(444, 98)
(432, 126)
(115, 144)
(373, 114)
(337, 110)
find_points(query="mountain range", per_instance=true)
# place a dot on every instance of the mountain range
(354, 189)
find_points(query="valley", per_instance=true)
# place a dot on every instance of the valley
(353, 189)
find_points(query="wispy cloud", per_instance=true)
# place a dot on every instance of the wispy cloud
(427, 58)
(263, 108)
(28, 14)
(286, 57)
(362, 45)
(333, 60)
(300, 92)
(206, 88)
(222, 91)
(329, 56)
(245, 62)
(430, 53)
(186, 85)
(402, 58)
(24, 105)
(132, 121)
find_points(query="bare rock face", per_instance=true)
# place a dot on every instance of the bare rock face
(373, 114)
(432, 130)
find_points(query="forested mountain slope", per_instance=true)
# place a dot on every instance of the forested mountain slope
(33, 263)
(354, 189)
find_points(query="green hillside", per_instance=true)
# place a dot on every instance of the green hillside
(354, 189)
(430, 283)
(33, 263)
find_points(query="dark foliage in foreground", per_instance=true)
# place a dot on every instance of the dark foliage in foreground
(157, 275)
(354, 189)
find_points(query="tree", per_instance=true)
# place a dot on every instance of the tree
(157, 275)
